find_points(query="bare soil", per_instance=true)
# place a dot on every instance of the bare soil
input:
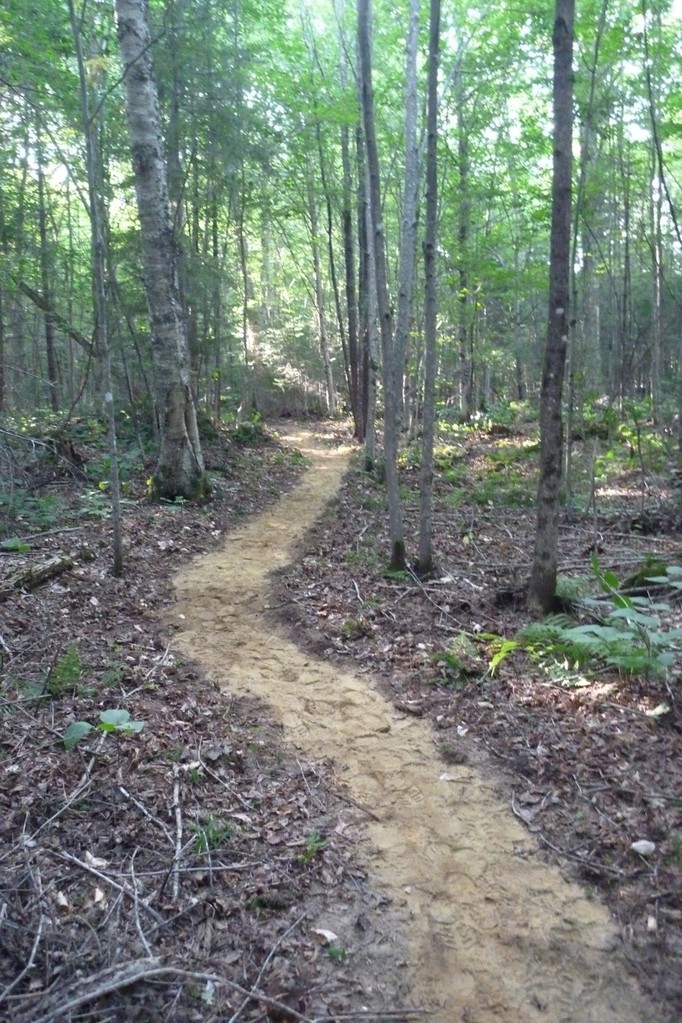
(493, 931)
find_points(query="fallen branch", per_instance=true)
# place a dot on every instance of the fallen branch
(178, 834)
(114, 979)
(83, 991)
(32, 576)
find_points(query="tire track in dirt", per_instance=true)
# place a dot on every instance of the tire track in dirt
(495, 935)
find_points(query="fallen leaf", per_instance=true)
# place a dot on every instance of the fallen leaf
(643, 847)
(95, 861)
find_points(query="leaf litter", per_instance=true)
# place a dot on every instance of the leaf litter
(592, 769)
(108, 899)
(184, 870)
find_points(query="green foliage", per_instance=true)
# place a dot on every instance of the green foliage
(210, 834)
(572, 589)
(336, 953)
(94, 504)
(250, 433)
(14, 545)
(626, 633)
(365, 557)
(355, 628)
(114, 674)
(396, 575)
(290, 457)
(34, 513)
(65, 673)
(460, 664)
(130, 464)
(314, 844)
(510, 489)
(110, 722)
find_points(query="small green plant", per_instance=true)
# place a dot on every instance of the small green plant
(250, 434)
(95, 504)
(626, 632)
(336, 953)
(210, 834)
(364, 558)
(459, 664)
(297, 457)
(398, 575)
(110, 722)
(314, 844)
(14, 545)
(114, 674)
(65, 673)
(355, 628)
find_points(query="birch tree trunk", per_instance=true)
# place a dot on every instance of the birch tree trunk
(542, 589)
(180, 468)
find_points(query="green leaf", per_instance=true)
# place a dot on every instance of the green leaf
(75, 732)
(631, 614)
(507, 647)
(132, 726)
(114, 719)
(118, 720)
(15, 545)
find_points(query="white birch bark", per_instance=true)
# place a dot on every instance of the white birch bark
(180, 468)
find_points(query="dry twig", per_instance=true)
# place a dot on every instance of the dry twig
(178, 834)
(122, 888)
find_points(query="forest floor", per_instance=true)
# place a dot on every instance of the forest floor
(395, 846)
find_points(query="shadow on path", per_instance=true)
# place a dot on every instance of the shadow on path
(495, 935)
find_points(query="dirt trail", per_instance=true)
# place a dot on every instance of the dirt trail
(495, 935)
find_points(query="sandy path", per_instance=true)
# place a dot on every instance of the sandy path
(495, 935)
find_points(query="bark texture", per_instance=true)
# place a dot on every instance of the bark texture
(425, 562)
(542, 591)
(397, 562)
(180, 468)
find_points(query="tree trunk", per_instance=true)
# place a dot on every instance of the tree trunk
(425, 562)
(372, 345)
(351, 289)
(323, 337)
(363, 288)
(397, 542)
(542, 589)
(466, 359)
(408, 236)
(180, 468)
(98, 263)
(50, 344)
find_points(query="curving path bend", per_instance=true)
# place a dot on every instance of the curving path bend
(494, 936)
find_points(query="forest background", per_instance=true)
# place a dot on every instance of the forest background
(260, 116)
(268, 215)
